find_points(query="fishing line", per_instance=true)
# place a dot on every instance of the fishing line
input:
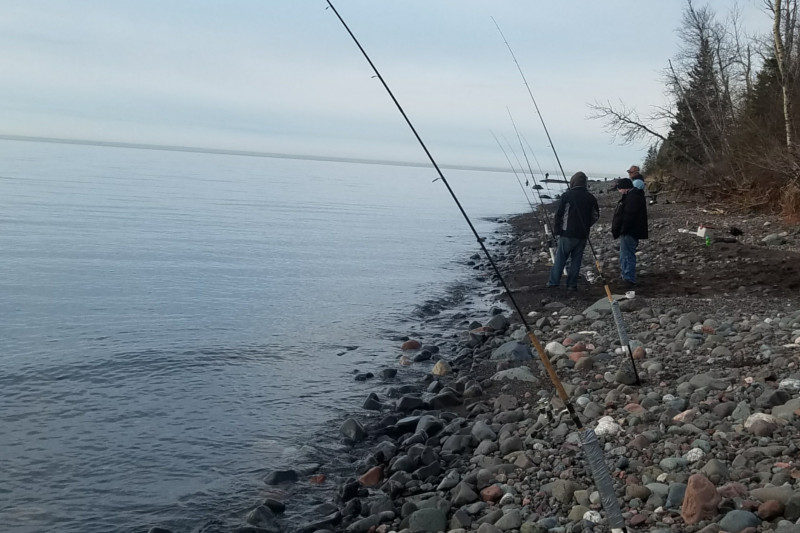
(535, 188)
(621, 328)
(535, 105)
(592, 449)
(525, 154)
(542, 172)
(516, 174)
(548, 228)
(540, 216)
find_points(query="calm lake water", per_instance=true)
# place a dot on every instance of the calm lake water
(173, 323)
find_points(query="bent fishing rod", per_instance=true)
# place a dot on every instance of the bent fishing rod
(621, 328)
(535, 105)
(592, 449)
(541, 216)
(516, 174)
(525, 154)
(542, 212)
(538, 165)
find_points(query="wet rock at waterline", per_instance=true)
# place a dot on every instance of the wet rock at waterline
(707, 441)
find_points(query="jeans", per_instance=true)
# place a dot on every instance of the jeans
(627, 257)
(567, 247)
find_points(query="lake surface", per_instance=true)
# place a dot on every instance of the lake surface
(176, 324)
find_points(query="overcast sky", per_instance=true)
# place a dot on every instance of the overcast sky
(284, 76)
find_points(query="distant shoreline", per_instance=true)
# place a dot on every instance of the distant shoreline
(247, 153)
(254, 153)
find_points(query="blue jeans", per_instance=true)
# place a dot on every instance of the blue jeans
(627, 257)
(567, 247)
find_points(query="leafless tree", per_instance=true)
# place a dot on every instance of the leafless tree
(784, 32)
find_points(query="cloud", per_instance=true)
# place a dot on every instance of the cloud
(286, 76)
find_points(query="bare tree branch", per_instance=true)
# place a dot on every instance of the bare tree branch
(626, 124)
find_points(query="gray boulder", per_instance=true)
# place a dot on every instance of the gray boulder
(353, 430)
(513, 351)
(431, 520)
(736, 521)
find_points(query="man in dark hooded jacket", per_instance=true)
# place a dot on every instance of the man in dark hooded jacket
(629, 225)
(576, 214)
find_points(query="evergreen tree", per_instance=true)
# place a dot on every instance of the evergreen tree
(651, 160)
(699, 120)
(763, 112)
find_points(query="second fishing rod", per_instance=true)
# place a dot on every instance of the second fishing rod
(540, 214)
(621, 327)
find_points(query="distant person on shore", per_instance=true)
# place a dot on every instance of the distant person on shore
(629, 224)
(635, 175)
(577, 212)
(638, 181)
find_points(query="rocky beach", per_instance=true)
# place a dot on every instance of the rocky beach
(469, 435)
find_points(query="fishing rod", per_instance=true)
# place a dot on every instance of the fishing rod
(535, 105)
(525, 154)
(542, 172)
(536, 213)
(592, 449)
(621, 328)
(548, 228)
(534, 188)
(516, 174)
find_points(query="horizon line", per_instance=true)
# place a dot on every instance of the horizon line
(243, 153)
(276, 155)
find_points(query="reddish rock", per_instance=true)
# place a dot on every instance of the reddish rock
(319, 479)
(639, 353)
(749, 505)
(632, 480)
(411, 345)
(686, 416)
(732, 490)
(634, 408)
(568, 342)
(492, 493)
(770, 510)
(579, 347)
(574, 356)
(640, 442)
(637, 520)
(701, 500)
(373, 476)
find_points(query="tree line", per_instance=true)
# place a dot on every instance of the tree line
(732, 116)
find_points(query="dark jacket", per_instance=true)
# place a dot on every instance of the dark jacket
(576, 213)
(630, 215)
